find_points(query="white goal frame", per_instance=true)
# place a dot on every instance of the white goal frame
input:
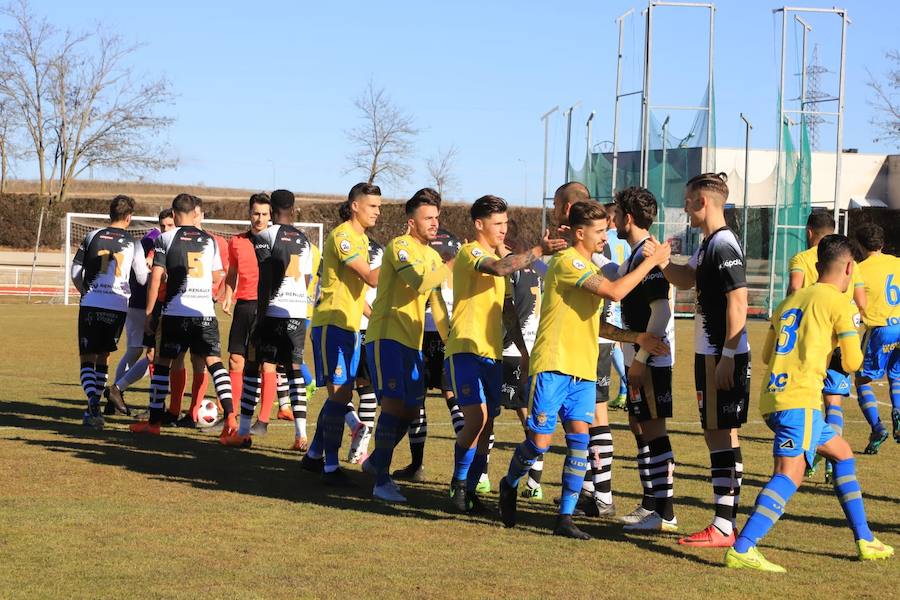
(68, 242)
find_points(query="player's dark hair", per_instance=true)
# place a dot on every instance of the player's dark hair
(424, 197)
(585, 213)
(487, 206)
(820, 222)
(282, 200)
(363, 189)
(831, 248)
(712, 182)
(259, 198)
(870, 236)
(166, 213)
(572, 192)
(638, 202)
(185, 203)
(120, 207)
(344, 211)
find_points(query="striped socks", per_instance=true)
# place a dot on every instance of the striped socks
(769, 507)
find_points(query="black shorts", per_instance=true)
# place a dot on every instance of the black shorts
(654, 401)
(513, 394)
(362, 369)
(99, 329)
(152, 340)
(433, 354)
(721, 409)
(279, 341)
(604, 366)
(200, 335)
(243, 319)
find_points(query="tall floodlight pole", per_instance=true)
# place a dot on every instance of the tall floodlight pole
(645, 103)
(839, 151)
(710, 117)
(588, 127)
(546, 119)
(662, 185)
(747, 128)
(780, 134)
(568, 115)
(615, 140)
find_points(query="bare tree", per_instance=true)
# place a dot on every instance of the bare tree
(384, 140)
(887, 101)
(102, 116)
(8, 146)
(440, 169)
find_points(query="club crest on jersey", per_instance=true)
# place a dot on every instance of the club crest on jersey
(787, 444)
(403, 256)
(338, 371)
(477, 253)
(541, 418)
(345, 245)
(578, 264)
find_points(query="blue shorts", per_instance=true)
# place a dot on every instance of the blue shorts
(799, 431)
(552, 393)
(881, 353)
(335, 354)
(476, 380)
(397, 371)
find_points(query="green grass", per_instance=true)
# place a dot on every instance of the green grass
(91, 515)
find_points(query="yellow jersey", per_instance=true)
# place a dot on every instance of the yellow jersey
(477, 323)
(342, 291)
(805, 262)
(806, 327)
(316, 257)
(570, 319)
(410, 271)
(881, 274)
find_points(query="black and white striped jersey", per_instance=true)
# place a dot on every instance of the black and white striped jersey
(285, 270)
(720, 267)
(103, 265)
(636, 306)
(190, 257)
(526, 286)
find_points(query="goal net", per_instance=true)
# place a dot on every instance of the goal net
(77, 225)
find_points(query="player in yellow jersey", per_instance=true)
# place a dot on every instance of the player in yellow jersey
(411, 270)
(881, 344)
(803, 274)
(806, 327)
(475, 346)
(335, 325)
(563, 365)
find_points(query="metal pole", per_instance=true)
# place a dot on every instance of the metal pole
(37, 243)
(568, 115)
(747, 128)
(806, 29)
(710, 117)
(546, 119)
(662, 185)
(645, 122)
(838, 151)
(589, 155)
(615, 149)
(779, 134)
(67, 259)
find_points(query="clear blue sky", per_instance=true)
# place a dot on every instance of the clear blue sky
(265, 83)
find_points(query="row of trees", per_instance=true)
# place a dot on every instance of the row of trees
(70, 102)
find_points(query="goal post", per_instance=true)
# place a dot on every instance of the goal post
(77, 225)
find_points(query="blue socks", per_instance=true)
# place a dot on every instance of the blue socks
(307, 376)
(332, 427)
(573, 471)
(865, 395)
(769, 507)
(315, 446)
(835, 418)
(388, 433)
(895, 393)
(462, 460)
(848, 492)
(522, 460)
(478, 466)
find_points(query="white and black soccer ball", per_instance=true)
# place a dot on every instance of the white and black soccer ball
(207, 414)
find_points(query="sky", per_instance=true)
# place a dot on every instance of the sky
(265, 89)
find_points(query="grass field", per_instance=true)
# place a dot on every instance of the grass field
(103, 515)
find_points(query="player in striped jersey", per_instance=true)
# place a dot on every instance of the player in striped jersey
(563, 366)
(881, 344)
(802, 275)
(101, 272)
(617, 250)
(803, 332)
(335, 326)
(285, 271)
(189, 258)
(410, 274)
(721, 350)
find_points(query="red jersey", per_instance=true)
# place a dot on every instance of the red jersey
(242, 254)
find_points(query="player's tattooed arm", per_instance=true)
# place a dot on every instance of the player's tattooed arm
(513, 262)
(652, 343)
(618, 289)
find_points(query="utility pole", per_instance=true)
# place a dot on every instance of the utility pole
(546, 119)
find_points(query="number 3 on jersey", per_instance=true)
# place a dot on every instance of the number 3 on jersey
(787, 337)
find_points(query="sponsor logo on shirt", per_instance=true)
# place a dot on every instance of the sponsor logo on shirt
(730, 263)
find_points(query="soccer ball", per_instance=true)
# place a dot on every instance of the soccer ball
(207, 414)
